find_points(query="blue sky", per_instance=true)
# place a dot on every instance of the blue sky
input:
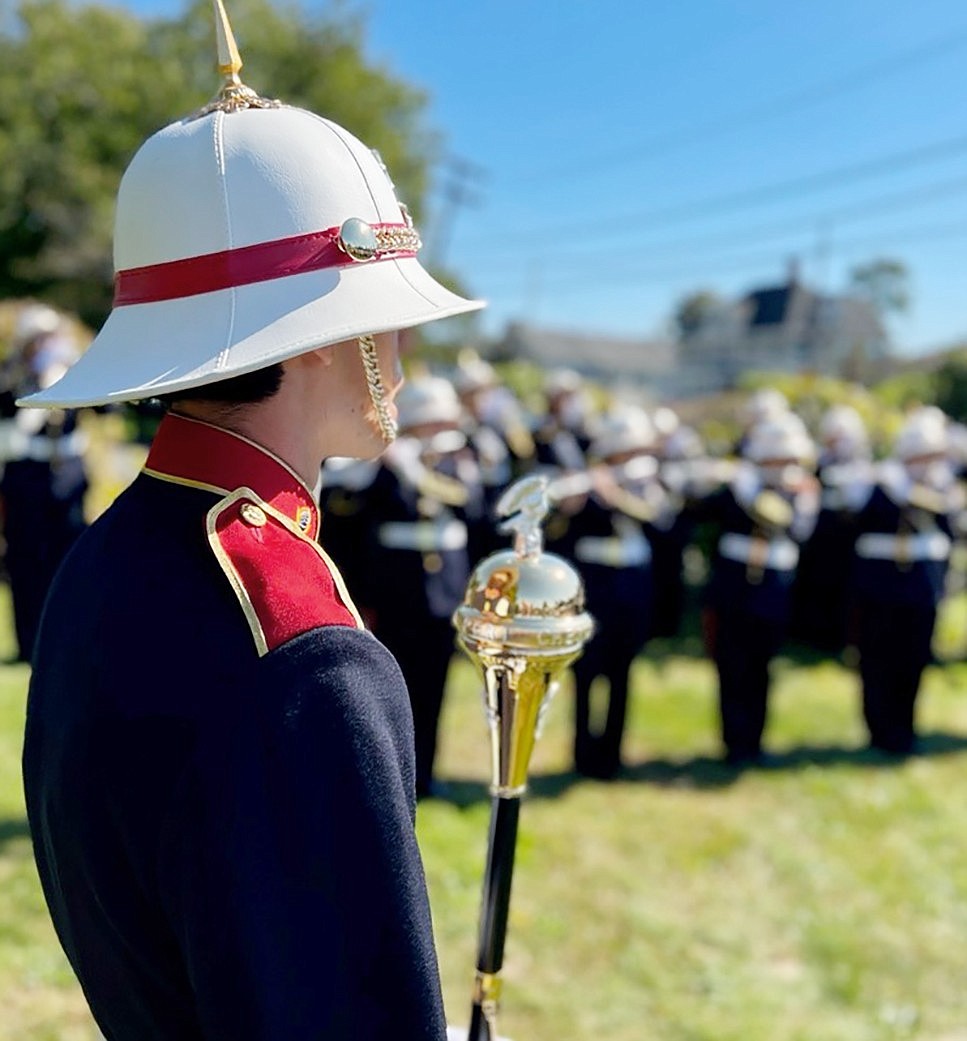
(627, 153)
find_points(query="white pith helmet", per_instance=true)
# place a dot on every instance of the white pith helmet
(473, 373)
(923, 434)
(34, 320)
(427, 399)
(764, 404)
(627, 429)
(683, 443)
(563, 381)
(665, 420)
(244, 236)
(842, 429)
(781, 437)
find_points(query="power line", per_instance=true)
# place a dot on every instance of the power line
(921, 195)
(898, 62)
(457, 190)
(746, 198)
(706, 266)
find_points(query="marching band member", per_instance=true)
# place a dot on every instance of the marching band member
(495, 425)
(218, 758)
(44, 475)
(425, 511)
(683, 471)
(608, 538)
(822, 591)
(765, 512)
(763, 405)
(902, 553)
(562, 437)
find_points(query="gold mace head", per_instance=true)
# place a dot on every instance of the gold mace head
(522, 622)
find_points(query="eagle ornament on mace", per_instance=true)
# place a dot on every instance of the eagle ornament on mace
(522, 622)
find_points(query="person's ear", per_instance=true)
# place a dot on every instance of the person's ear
(318, 356)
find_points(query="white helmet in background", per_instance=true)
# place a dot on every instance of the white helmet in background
(425, 400)
(683, 443)
(923, 434)
(666, 421)
(764, 404)
(843, 433)
(473, 374)
(622, 430)
(783, 437)
(34, 320)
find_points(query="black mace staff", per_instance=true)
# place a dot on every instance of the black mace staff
(522, 622)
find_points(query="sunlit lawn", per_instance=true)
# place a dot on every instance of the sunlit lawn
(822, 900)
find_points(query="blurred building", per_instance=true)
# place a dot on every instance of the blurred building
(643, 363)
(783, 328)
(786, 328)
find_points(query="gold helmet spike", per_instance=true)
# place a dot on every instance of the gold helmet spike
(234, 95)
(229, 61)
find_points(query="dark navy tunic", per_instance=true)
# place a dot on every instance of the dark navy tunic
(219, 770)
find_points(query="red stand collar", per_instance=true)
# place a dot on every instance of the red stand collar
(188, 451)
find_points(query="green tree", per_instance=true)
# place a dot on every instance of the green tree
(950, 382)
(885, 283)
(694, 309)
(83, 86)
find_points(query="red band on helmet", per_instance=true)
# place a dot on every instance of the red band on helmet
(242, 266)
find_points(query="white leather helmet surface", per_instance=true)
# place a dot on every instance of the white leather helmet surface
(427, 399)
(627, 429)
(243, 238)
(34, 320)
(783, 437)
(923, 434)
(766, 403)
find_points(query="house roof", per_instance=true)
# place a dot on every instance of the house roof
(593, 354)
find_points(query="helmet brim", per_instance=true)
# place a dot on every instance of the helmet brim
(146, 350)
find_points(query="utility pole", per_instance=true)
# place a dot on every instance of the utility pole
(459, 180)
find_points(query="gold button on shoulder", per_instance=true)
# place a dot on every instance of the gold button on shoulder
(253, 515)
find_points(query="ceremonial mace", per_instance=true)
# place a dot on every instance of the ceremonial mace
(522, 622)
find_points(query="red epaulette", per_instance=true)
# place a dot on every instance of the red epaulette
(283, 579)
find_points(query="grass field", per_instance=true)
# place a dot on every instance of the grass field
(824, 899)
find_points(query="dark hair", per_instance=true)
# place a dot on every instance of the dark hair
(247, 389)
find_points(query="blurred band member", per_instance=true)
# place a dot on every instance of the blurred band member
(608, 537)
(44, 474)
(902, 554)
(425, 511)
(822, 591)
(762, 516)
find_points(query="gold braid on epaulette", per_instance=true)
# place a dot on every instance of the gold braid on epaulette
(444, 489)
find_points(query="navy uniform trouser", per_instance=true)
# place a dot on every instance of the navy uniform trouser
(609, 654)
(743, 647)
(894, 643)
